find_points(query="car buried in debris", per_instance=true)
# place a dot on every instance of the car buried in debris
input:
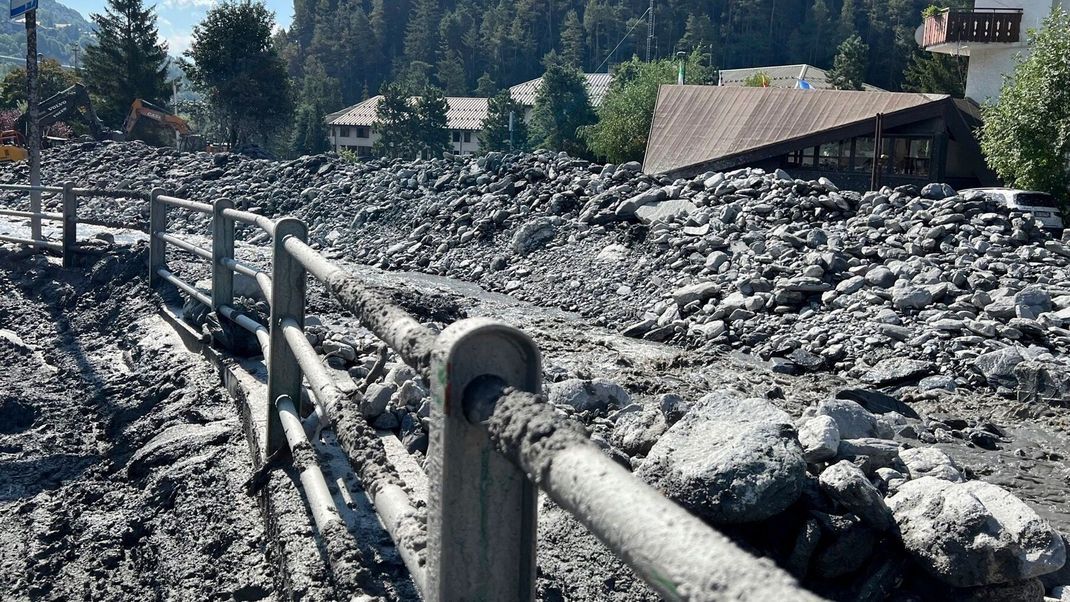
(1043, 206)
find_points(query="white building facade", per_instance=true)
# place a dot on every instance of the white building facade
(992, 34)
(355, 128)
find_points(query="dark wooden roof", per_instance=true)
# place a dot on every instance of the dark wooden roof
(717, 125)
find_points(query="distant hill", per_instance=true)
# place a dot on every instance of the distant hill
(60, 29)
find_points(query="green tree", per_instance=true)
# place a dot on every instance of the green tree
(699, 34)
(1026, 133)
(572, 40)
(235, 64)
(450, 73)
(420, 34)
(411, 126)
(320, 95)
(936, 73)
(759, 79)
(849, 69)
(495, 135)
(625, 115)
(52, 78)
(127, 61)
(485, 86)
(562, 106)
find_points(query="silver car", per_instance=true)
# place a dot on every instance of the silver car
(1043, 206)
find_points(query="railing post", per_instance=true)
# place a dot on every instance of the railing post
(157, 225)
(222, 246)
(287, 301)
(70, 223)
(482, 515)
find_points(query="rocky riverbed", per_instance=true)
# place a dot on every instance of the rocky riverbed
(863, 387)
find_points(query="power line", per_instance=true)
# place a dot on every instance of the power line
(626, 34)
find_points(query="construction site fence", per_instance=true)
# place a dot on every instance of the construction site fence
(495, 441)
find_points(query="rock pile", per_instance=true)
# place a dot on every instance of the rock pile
(897, 287)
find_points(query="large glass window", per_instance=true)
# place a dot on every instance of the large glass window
(803, 158)
(835, 155)
(909, 156)
(864, 154)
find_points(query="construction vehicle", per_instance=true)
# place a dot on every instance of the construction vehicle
(12, 147)
(185, 139)
(63, 106)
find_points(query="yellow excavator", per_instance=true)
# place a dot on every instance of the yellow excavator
(12, 147)
(185, 139)
(69, 104)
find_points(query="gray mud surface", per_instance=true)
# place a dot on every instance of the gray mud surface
(121, 459)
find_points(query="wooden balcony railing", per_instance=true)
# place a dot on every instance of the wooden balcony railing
(979, 25)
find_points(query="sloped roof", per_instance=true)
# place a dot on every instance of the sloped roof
(597, 86)
(464, 113)
(693, 125)
(784, 76)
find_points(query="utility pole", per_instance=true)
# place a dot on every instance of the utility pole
(649, 31)
(33, 135)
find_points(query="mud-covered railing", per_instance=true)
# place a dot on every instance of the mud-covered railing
(68, 217)
(495, 441)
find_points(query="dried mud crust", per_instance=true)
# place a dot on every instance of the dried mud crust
(121, 460)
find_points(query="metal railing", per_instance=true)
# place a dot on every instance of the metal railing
(495, 441)
(68, 217)
(978, 25)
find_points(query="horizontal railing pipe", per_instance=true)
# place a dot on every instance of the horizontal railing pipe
(28, 188)
(256, 328)
(167, 276)
(56, 217)
(263, 279)
(376, 311)
(184, 203)
(324, 390)
(678, 555)
(185, 246)
(254, 219)
(111, 194)
(32, 243)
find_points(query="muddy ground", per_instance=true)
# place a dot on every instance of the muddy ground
(121, 459)
(96, 502)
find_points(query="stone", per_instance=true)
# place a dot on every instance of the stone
(375, 399)
(877, 402)
(930, 462)
(846, 544)
(700, 291)
(998, 366)
(974, 533)
(820, 438)
(665, 210)
(728, 460)
(533, 235)
(897, 370)
(637, 428)
(852, 420)
(870, 452)
(1042, 382)
(847, 486)
(911, 297)
(880, 277)
(588, 395)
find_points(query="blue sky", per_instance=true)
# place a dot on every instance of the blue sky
(176, 18)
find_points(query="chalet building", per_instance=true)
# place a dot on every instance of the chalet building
(355, 128)
(813, 133)
(991, 33)
(597, 85)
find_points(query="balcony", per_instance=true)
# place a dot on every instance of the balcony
(953, 31)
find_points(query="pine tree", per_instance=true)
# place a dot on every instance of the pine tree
(495, 135)
(936, 73)
(848, 26)
(432, 136)
(699, 35)
(450, 73)
(849, 69)
(395, 123)
(485, 86)
(127, 61)
(562, 106)
(421, 32)
(572, 40)
(320, 95)
(251, 96)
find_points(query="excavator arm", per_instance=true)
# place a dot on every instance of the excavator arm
(140, 108)
(62, 106)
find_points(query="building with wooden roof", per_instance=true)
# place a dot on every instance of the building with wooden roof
(813, 133)
(783, 76)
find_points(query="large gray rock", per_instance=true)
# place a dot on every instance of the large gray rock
(585, 395)
(664, 210)
(895, 370)
(930, 462)
(852, 420)
(819, 438)
(974, 533)
(699, 291)
(637, 428)
(728, 460)
(998, 366)
(846, 485)
(911, 297)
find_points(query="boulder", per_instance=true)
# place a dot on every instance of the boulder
(930, 462)
(852, 420)
(664, 210)
(819, 438)
(896, 370)
(974, 533)
(847, 486)
(998, 366)
(637, 428)
(700, 291)
(588, 395)
(728, 460)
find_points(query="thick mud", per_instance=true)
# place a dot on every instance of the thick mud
(121, 459)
